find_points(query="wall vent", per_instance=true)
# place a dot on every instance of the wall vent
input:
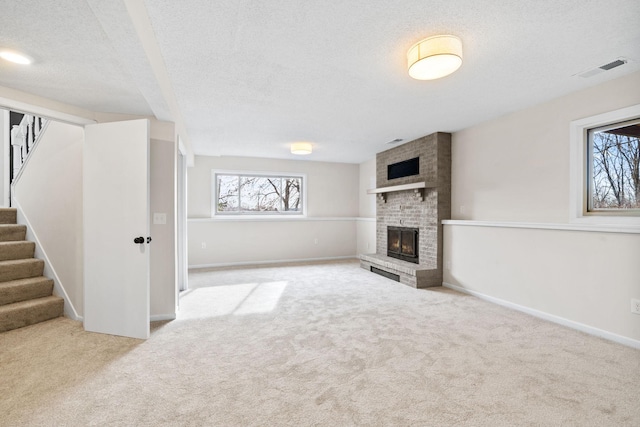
(602, 68)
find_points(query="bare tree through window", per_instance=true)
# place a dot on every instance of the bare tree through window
(615, 165)
(258, 194)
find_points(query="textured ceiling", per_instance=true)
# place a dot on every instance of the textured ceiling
(251, 77)
(75, 61)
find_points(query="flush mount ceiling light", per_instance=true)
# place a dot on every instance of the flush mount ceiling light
(434, 57)
(15, 56)
(301, 148)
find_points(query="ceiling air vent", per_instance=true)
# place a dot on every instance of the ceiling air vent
(601, 69)
(613, 64)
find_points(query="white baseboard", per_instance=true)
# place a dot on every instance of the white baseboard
(279, 261)
(550, 317)
(157, 317)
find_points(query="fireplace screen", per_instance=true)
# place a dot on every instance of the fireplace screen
(402, 243)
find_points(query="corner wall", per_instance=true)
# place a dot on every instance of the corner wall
(366, 226)
(514, 171)
(163, 248)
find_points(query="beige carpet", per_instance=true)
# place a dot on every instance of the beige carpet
(320, 345)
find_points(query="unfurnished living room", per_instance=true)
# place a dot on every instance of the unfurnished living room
(305, 213)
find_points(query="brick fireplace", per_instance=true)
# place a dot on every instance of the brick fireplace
(413, 192)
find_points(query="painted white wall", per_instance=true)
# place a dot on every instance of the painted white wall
(367, 182)
(332, 196)
(49, 195)
(516, 168)
(366, 226)
(163, 245)
(585, 277)
(257, 242)
(366, 235)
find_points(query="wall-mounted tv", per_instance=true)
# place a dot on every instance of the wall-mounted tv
(405, 168)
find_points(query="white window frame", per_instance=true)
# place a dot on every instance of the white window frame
(579, 171)
(254, 215)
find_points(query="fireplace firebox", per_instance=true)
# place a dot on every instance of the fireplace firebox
(402, 243)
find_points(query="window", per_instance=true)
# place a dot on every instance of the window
(614, 168)
(258, 194)
(604, 168)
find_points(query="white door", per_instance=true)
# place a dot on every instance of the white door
(116, 211)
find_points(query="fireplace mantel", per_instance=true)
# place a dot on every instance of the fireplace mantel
(417, 187)
(413, 186)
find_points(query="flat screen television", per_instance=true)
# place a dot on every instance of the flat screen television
(405, 168)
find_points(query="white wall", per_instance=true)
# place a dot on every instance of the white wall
(163, 246)
(366, 227)
(516, 169)
(49, 195)
(367, 182)
(584, 277)
(255, 242)
(332, 210)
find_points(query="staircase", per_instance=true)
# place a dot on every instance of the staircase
(25, 295)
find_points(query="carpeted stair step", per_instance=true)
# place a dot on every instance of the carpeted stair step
(20, 269)
(12, 232)
(24, 313)
(8, 215)
(16, 250)
(25, 289)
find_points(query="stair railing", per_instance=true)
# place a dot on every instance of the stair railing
(24, 138)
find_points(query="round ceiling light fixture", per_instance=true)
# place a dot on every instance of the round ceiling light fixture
(434, 57)
(15, 56)
(301, 148)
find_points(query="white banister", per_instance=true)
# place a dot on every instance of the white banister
(28, 119)
(23, 139)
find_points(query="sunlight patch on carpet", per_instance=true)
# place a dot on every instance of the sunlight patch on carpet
(240, 299)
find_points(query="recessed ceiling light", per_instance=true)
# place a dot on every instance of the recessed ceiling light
(434, 57)
(301, 148)
(15, 56)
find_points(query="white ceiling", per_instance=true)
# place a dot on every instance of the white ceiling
(247, 78)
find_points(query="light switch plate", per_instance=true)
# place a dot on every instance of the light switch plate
(159, 218)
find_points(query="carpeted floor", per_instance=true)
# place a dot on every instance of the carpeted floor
(319, 345)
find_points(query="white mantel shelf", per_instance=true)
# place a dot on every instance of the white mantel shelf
(417, 187)
(403, 187)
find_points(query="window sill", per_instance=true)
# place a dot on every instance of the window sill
(248, 218)
(590, 227)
